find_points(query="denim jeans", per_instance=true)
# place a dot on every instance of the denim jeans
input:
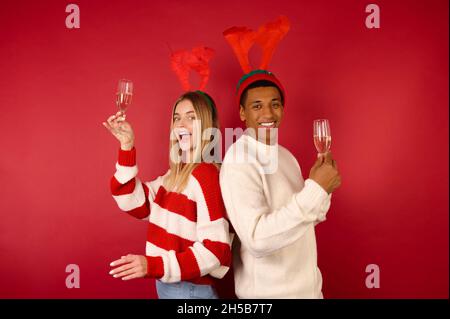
(184, 290)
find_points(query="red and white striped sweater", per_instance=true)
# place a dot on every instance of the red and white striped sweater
(188, 236)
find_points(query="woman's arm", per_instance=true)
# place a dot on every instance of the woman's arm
(130, 194)
(128, 191)
(210, 253)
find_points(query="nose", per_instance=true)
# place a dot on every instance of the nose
(181, 123)
(267, 113)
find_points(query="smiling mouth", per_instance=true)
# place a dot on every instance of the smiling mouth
(267, 124)
(183, 135)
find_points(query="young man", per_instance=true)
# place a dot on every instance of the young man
(272, 209)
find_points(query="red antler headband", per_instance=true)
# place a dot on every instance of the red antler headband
(241, 39)
(183, 61)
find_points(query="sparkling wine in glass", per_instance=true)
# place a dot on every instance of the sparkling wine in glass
(124, 94)
(322, 136)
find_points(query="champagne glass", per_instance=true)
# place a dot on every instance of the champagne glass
(322, 136)
(124, 94)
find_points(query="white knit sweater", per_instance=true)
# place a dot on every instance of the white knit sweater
(273, 211)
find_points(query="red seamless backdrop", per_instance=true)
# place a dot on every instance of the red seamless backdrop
(384, 90)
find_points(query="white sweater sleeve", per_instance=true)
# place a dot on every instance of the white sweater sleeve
(261, 230)
(323, 210)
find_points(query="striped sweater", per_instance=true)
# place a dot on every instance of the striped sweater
(188, 235)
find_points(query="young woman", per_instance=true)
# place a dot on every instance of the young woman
(188, 239)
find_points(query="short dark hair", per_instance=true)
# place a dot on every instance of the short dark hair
(257, 84)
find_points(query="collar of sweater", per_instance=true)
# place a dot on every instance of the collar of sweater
(258, 144)
(266, 155)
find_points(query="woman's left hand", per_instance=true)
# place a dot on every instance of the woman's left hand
(130, 267)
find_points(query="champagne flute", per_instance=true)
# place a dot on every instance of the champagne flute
(124, 94)
(322, 136)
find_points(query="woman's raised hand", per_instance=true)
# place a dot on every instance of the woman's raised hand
(121, 130)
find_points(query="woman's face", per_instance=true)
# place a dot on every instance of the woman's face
(184, 124)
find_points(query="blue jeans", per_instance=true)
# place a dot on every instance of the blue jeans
(184, 290)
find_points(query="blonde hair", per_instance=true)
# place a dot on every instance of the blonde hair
(178, 176)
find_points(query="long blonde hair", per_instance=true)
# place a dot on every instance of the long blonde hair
(178, 176)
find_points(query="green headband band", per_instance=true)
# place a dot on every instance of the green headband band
(246, 76)
(208, 101)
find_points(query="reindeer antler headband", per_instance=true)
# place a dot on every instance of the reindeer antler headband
(268, 36)
(183, 61)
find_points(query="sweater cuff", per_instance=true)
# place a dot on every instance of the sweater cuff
(311, 196)
(127, 158)
(155, 267)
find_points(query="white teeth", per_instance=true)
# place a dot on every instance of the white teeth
(267, 124)
(182, 133)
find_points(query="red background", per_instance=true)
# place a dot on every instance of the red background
(384, 90)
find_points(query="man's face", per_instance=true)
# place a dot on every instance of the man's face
(262, 110)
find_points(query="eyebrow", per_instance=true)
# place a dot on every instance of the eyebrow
(185, 113)
(259, 101)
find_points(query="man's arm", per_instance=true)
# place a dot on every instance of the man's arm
(260, 229)
(323, 210)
